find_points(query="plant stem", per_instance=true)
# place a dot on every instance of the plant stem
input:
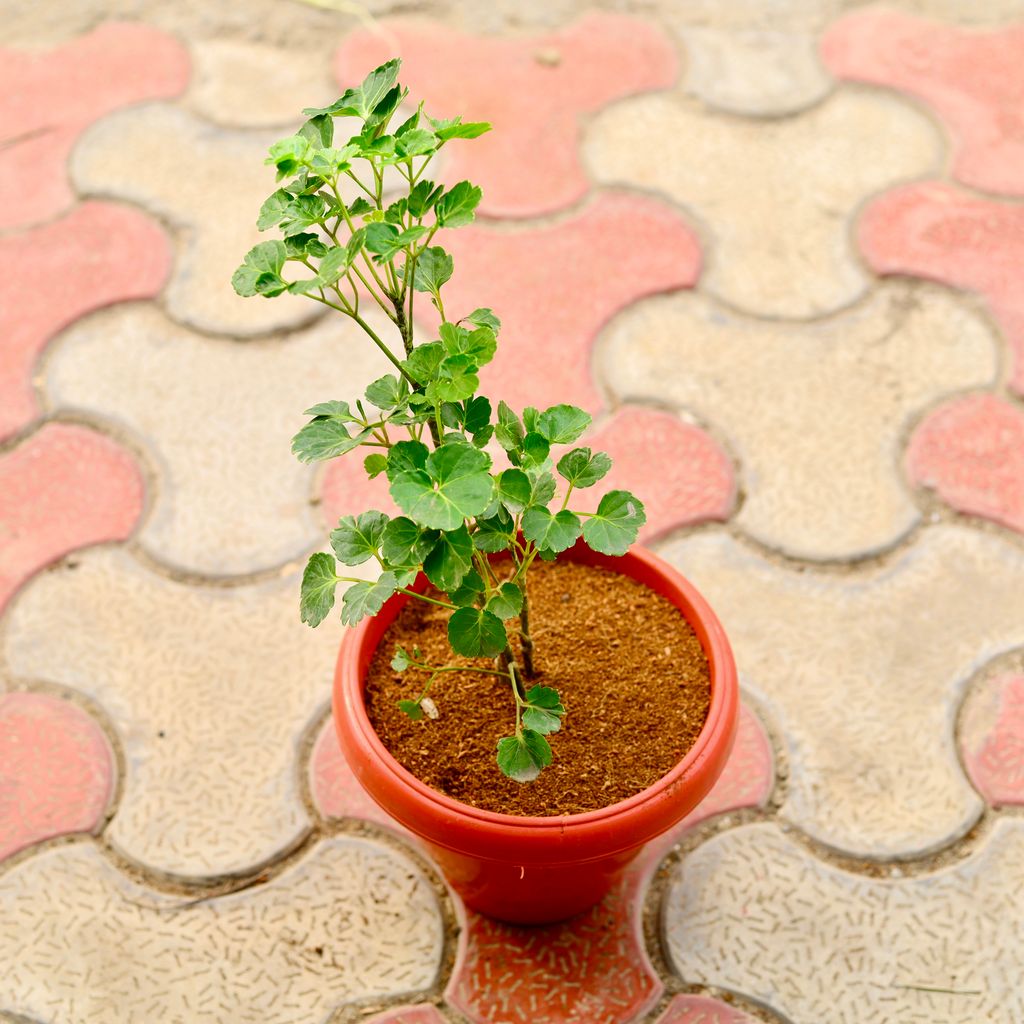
(511, 669)
(524, 635)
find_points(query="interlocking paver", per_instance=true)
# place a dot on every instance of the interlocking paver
(252, 85)
(210, 690)
(216, 418)
(862, 683)
(48, 99)
(971, 79)
(209, 183)
(424, 1013)
(780, 245)
(701, 1010)
(757, 913)
(814, 412)
(533, 89)
(97, 254)
(971, 452)
(757, 72)
(680, 473)
(56, 770)
(992, 738)
(555, 286)
(937, 231)
(80, 941)
(64, 488)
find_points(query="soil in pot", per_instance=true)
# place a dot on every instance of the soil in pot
(629, 669)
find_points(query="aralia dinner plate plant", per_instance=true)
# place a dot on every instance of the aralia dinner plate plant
(484, 492)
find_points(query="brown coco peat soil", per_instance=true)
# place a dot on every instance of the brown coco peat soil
(629, 669)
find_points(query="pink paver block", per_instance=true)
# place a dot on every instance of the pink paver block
(701, 1010)
(63, 488)
(422, 1013)
(555, 286)
(972, 80)
(531, 88)
(971, 452)
(680, 473)
(48, 99)
(56, 770)
(335, 789)
(935, 231)
(95, 255)
(593, 967)
(996, 764)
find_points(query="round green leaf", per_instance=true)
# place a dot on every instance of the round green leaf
(616, 523)
(551, 532)
(476, 633)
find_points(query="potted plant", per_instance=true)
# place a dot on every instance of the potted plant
(498, 582)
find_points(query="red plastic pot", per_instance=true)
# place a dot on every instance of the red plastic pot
(537, 870)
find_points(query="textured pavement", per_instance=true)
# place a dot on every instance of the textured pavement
(776, 250)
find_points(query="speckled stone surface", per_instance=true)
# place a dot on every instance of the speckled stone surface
(755, 912)
(304, 943)
(815, 413)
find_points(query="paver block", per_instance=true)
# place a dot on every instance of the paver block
(209, 182)
(210, 689)
(815, 413)
(680, 473)
(424, 1013)
(95, 255)
(992, 739)
(217, 418)
(757, 72)
(757, 913)
(56, 770)
(254, 85)
(863, 685)
(351, 921)
(971, 452)
(533, 89)
(971, 79)
(936, 231)
(701, 1010)
(64, 488)
(556, 285)
(48, 99)
(776, 197)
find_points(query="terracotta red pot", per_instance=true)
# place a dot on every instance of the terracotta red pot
(535, 870)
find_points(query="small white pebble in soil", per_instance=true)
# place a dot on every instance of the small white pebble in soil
(429, 707)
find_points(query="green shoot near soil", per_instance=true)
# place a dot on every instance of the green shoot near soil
(425, 426)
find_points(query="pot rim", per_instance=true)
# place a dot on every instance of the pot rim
(721, 715)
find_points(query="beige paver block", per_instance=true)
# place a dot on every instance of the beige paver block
(210, 690)
(208, 183)
(252, 85)
(756, 913)
(79, 941)
(814, 412)
(217, 418)
(863, 672)
(754, 71)
(776, 197)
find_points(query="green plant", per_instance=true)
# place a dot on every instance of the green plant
(425, 426)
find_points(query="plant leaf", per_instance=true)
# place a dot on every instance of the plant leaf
(324, 438)
(450, 559)
(405, 543)
(521, 757)
(366, 598)
(455, 129)
(375, 464)
(433, 268)
(616, 523)
(562, 424)
(507, 603)
(273, 209)
(583, 468)
(317, 593)
(400, 662)
(545, 711)
(357, 538)
(514, 489)
(424, 362)
(535, 448)
(455, 208)
(260, 272)
(467, 592)
(495, 533)
(387, 392)
(411, 708)
(404, 456)
(476, 633)
(484, 318)
(453, 485)
(551, 532)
